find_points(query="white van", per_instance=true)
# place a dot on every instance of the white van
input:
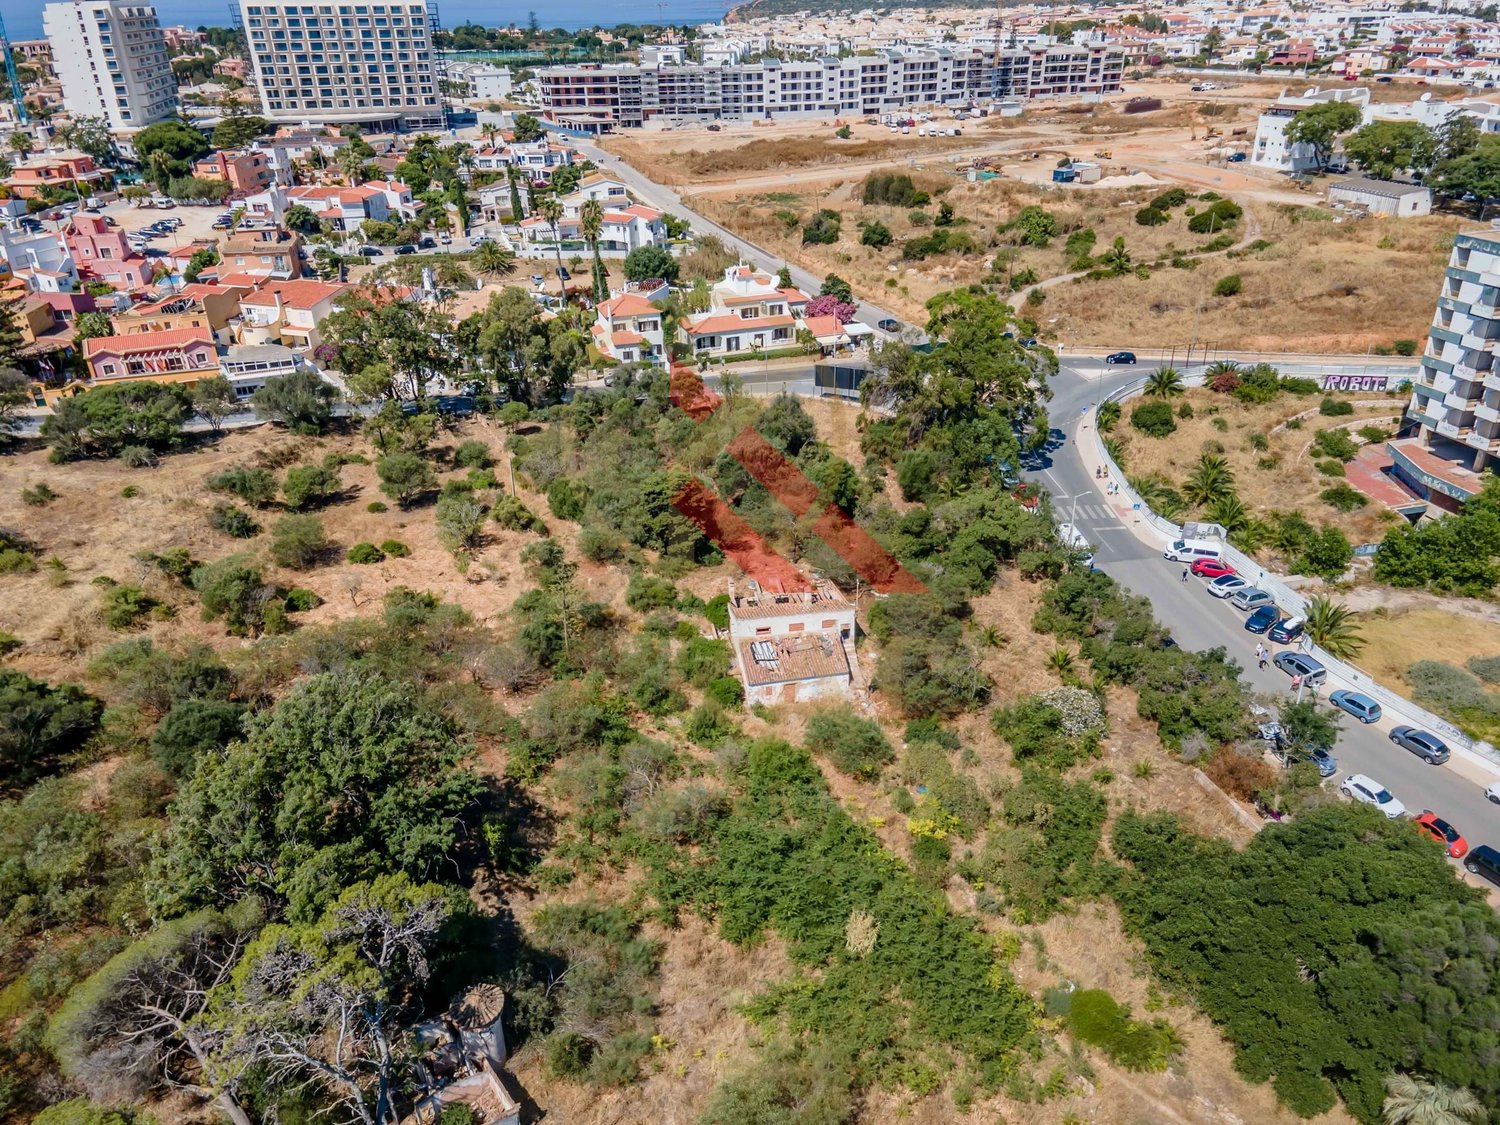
(1191, 550)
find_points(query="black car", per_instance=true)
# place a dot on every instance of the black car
(888, 325)
(564, 274)
(428, 242)
(1483, 860)
(406, 249)
(1120, 357)
(371, 251)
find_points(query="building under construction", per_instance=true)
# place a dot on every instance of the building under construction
(791, 646)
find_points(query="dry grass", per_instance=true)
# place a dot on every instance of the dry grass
(1396, 639)
(1294, 484)
(766, 155)
(1320, 287)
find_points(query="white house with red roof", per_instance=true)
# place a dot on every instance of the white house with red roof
(537, 159)
(288, 312)
(749, 311)
(629, 329)
(624, 229)
(342, 208)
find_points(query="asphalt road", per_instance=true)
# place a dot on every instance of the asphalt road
(1199, 621)
(663, 197)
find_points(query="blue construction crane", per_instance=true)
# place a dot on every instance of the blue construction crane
(16, 97)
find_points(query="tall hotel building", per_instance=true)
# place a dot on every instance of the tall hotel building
(112, 62)
(365, 64)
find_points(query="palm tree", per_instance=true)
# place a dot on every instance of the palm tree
(1411, 1101)
(591, 222)
(1331, 626)
(1116, 259)
(1212, 479)
(551, 211)
(1230, 513)
(20, 143)
(492, 260)
(1221, 367)
(351, 164)
(1164, 382)
(1252, 536)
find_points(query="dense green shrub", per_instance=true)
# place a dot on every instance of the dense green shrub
(472, 455)
(40, 723)
(1332, 407)
(1152, 217)
(822, 229)
(365, 554)
(1219, 215)
(1452, 691)
(892, 188)
(1334, 443)
(1456, 554)
(1229, 285)
(1041, 733)
(1154, 418)
(191, 729)
(1487, 668)
(855, 745)
(647, 592)
(298, 541)
(309, 486)
(567, 497)
(394, 548)
(726, 691)
(256, 487)
(1343, 498)
(513, 515)
(233, 521)
(1097, 1018)
(122, 606)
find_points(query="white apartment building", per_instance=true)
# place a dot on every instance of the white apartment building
(365, 64)
(1457, 399)
(480, 81)
(603, 97)
(111, 60)
(1273, 150)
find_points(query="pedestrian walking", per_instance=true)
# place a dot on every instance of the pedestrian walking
(1184, 574)
(1261, 654)
(1296, 683)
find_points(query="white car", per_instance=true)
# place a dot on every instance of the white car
(1493, 792)
(1226, 585)
(1368, 791)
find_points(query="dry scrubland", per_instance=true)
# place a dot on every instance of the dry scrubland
(1293, 484)
(94, 530)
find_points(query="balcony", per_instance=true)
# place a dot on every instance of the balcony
(1460, 400)
(1448, 429)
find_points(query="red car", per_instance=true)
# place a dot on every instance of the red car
(1436, 828)
(1212, 568)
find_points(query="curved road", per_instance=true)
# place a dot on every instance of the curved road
(1199, 621)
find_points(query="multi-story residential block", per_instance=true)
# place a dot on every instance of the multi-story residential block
(243, 171)
(1456, 401)
(179, 355)
(102, 252)
(479, 81)
(370, 64)
(31, 178)
(628, 329)
(603, 97)
(288, 313)
(791, 647)
(1272, 149)
(41, 260)
(111, 59)
(749, 312)
(47, 347)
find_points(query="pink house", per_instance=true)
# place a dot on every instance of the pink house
(101, 252)
(174, 355)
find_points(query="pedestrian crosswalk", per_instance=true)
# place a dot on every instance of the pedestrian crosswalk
(1088, 512)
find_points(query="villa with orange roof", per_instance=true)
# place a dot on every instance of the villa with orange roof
(749, 312)
(624, 230)
(101, 251)
(288, 312)
(629, 329)
(178, 355)
(211, 307)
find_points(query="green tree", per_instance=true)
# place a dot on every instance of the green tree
(1331, 626)
(550, 210)
(407, 339)
(214, 400)
(493, 260)
(168, 149)
(404, 476)
(1319, 127)
(822, 229)
(302, 218)
(15, 394)
(527, 128)
(517, 210)
(835, 286)
(39, 723)
(460, 522)
(1386, 149)
(532, 357)
(233, 590)
(1164, 382)
(309, 486)
(647, 262)
(301, 401)
(237, 132)
(104, 420)
(874, 234)
(351, 776)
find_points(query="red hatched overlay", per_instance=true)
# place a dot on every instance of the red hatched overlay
(776, 472)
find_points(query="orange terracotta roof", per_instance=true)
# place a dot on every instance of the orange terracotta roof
(148, 341)
(821, 326)
(808, 656)
(625, 339)
(627, 304)
(712, 324)
(302, 293)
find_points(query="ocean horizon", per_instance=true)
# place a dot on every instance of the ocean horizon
(568, 14)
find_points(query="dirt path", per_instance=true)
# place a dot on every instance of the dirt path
(1363, 599)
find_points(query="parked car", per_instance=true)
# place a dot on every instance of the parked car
(406, 249)
(1436, 828)
(1236, 158)
(1227, 584)
(888, 324)
(1327, 764)
(1492, 792)
(562, 272)
(1356, 703)
(1262, 619)
(1368, 791)
(371, 251)
(714, 128)
(1298, 664)
(1483, 860)
(1250, 597)
(1286, 631)
(1120, 357)
(1429, 747)
(1211, 568)
(445, 238)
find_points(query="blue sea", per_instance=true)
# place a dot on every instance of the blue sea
(24, 21)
